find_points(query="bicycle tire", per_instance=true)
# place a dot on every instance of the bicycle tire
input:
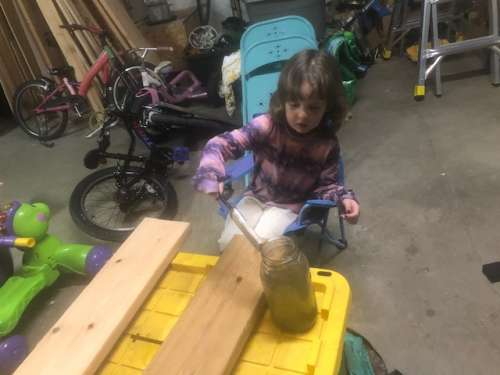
(122, 91)
(83, 217)
(52, 132)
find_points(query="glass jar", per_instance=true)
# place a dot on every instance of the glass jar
(287, 285)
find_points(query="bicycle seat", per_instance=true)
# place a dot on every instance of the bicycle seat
(61, 71)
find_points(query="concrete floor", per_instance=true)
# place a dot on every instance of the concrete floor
(428, 178)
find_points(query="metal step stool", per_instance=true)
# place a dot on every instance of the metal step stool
(436, 53)
(402, 22)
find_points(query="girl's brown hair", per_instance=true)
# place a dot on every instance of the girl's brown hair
(318, 69)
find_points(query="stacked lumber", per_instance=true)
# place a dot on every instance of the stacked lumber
(32, 40)
(207, 339)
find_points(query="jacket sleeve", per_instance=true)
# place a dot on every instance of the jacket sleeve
(329, 186)
(220, 149)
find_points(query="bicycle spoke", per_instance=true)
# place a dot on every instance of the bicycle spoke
(118, 203)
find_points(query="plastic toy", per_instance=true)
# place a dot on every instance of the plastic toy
(25, 226)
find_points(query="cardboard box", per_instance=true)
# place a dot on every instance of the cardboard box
(173, 34)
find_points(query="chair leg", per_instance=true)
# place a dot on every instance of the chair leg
(341, 242)
(323, 233)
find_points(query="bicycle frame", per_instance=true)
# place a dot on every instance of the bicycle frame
(65, 85)
(101, 66)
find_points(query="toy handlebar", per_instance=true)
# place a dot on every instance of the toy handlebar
(25, 242)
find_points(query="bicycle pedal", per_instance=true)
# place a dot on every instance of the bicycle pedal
(93, 132)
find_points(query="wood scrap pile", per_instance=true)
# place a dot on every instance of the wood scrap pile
(32, 40)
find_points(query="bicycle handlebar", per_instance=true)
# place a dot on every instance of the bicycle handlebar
(93, 29)
(145, 50)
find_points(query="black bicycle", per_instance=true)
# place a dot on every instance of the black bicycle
(109, 203)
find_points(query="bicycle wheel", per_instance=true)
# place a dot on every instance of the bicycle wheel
(109, 205)
(43, 126)
(128, 83)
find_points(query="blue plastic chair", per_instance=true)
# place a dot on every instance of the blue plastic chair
(264, 48)
(275, 29)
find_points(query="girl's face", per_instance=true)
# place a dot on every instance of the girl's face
(305, 114)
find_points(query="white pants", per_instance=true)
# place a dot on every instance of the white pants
(267, 221)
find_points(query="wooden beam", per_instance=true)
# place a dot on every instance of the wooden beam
(8, 75)
(117, 12)
(86, 18)
(115, 34)
(86, 332)
(79, 40)
(83, 37)
(210, 334)
(11, 48)
(46, 49)
(20, 38)
(12, 73)
(43, 65)
(69, 49)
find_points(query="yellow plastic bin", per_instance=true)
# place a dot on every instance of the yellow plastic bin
(269, 351)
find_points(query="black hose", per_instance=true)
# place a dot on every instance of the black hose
(160, 119)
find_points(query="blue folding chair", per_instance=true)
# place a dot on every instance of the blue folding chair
(264, 48)
(314, 211)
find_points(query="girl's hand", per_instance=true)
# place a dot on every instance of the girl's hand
(351, 210)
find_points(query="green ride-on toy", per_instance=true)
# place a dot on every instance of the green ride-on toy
(25, 226)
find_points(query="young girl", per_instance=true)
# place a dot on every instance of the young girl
(295, 148)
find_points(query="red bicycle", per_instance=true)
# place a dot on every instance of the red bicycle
(41, 106)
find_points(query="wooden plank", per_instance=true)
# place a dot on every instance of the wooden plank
(83, 37)
(11, 48)
(11, 72)
(87, 19)
(69, 49)
(210, 334)
(8, 76)
(111, 27)
(117, 12)
(43, 65)
(81, 44)
(86, 332)
(46, 47)
(20, 39)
